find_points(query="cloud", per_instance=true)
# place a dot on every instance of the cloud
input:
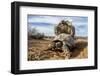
(51, 20)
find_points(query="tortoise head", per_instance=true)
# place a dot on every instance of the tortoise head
(58, 44)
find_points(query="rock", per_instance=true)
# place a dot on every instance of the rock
(65, 27)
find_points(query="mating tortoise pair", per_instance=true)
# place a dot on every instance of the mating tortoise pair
(64, 39)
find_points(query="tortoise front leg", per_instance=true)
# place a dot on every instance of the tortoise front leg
(66, 52)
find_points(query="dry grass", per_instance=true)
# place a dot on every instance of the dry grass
(37, 50)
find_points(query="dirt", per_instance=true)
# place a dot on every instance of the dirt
(37, 50)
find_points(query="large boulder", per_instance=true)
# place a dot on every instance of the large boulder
(65, 27)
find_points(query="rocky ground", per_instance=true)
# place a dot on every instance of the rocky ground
(37, 50)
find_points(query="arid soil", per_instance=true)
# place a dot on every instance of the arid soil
(37, 50)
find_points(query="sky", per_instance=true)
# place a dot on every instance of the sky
(45, 24)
